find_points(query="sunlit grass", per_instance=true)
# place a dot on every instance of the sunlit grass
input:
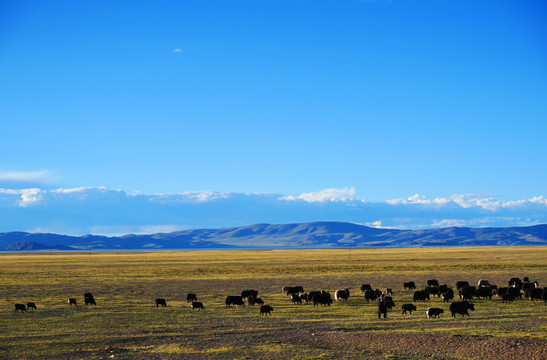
(126, 320)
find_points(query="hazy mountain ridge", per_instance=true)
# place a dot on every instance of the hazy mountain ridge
(298, 235)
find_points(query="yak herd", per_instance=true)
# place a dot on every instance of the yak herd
(515, 289)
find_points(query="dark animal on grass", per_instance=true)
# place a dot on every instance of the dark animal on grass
(515, 282)
(432, 282)
(197, 305)
(390, 304)
(389, 292)
(378, 292)
(296, 299)
(89, 301)
(382, 308)
(443, 288)
(461, 307)
(289, 290)
(483, 283)
(191, 297)
(467, 293)
(322, 299)
(255, 301)
(502, 291)
(408, 307)
(370, 295)
(435, 291)
(515, 292)
(409, 285)
(312, 294)
(461, 284)
(72, 301)
(266, 310)
(31, 305)
(234, 300)
(20, 307)
(533, 293)
(448, 295)
(434, 312)
(161, 302)
(342, 294)
(249, 293)
(507, 298)
(88, 294)
(483, 292)
(526, 279)
(366, 287)
(304, 297)
(421, 295)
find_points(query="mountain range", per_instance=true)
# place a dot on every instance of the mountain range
(299, 235)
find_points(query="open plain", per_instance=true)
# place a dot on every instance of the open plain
(126, 324)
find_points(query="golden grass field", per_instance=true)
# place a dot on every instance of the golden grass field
(126, 324)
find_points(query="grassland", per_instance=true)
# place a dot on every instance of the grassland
(125, 324)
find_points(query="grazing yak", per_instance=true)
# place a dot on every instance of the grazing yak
(448, 295)
(313, 293)
(197, 305)
(443, 288)
(421, 295)
(289, 290)
(322, 299)
(31, 305)
(434, 313)
(88, 299)
(245, 294)
(191, 297)
(507, 298)
(161, 302)
(266, 310)
(370, 295)
(296, 299)
(467, 293)
(382, 309)
(461, 284)
(483, 292)
(461, 307)
(409, 285)
(254, 301)
(342, 294)
(515, 292)
(72, 301)
(234, 300)
(432, 282)
(365, 287)
(434, 290)
(533, 293)
(515, 283)
(20, 307)
(408, 307)
(390, 304)
(483, 283)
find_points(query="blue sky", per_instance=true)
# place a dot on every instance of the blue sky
(375, 100)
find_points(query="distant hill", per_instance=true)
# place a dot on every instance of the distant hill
(303, 235)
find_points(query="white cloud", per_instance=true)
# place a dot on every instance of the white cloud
(80, 190)
(448, 223)
(189, 196)
(30, 197)
(327, 195)
(177, 51)
(42, 176)
(465, 201)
